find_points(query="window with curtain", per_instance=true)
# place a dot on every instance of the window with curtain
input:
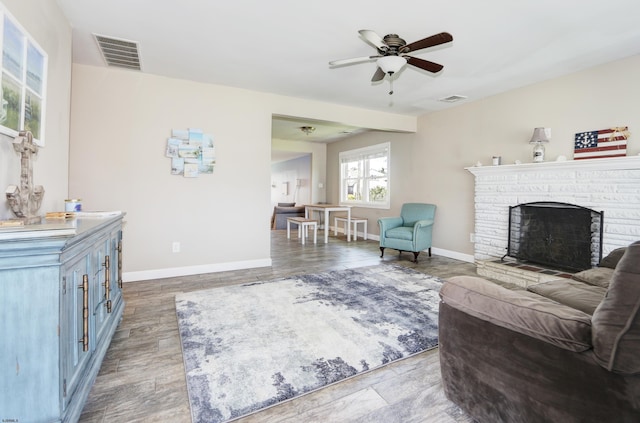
(364, 176)
(23, 81)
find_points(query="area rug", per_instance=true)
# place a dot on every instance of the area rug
(248, 347)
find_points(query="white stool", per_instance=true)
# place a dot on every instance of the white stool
(303, 228)
(354, 231)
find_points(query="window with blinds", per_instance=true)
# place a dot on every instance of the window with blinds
(364, 176)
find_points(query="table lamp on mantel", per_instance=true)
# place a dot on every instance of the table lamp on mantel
(538, 139)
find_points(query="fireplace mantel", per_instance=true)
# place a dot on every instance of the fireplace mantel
(609, 185)
(614, 163)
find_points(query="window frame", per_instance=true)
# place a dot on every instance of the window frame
(364, 156)
(29, 78)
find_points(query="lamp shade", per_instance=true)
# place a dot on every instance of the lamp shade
(540, 135)
(391, 64)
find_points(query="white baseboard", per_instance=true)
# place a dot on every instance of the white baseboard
(469, 258)
(439, 251)
(239, 265)
(193, 270)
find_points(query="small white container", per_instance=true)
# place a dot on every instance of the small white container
(73, 205)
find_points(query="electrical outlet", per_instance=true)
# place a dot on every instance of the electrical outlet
(175, 247)
(472, 237)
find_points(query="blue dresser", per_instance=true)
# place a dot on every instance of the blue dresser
(60, 304)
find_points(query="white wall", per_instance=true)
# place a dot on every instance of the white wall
(296, 173)
(318, 153)
(49, 28)
(120, 123)
(432, 161)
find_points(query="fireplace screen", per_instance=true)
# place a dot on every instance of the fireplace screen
(558, 235)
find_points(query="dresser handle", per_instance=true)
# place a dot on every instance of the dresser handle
(107, 283)
(120, 264)
(85, 312)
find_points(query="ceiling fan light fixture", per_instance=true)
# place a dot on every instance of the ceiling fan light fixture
(391, 64)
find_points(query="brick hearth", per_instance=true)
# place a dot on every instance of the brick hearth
(520, 274)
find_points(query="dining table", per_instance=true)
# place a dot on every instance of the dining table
(309, 209)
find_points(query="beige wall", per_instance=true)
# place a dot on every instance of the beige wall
(119, 127)
(45, 23)
(432, 161)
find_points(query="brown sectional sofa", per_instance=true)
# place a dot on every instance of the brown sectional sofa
(562, 351)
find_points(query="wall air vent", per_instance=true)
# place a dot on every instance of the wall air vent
(452, 98)
(118, 52)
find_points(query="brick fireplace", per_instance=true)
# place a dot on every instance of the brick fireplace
(609, 185)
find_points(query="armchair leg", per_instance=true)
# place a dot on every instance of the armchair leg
(381, 252)
(429, 251)
(415, 256)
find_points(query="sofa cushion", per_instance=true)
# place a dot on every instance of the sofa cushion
(401, 232)
(286, 204)
(574, 294)
(598, 276)
(616, 321)
(521, 311)
(601, 275)
(612, 259)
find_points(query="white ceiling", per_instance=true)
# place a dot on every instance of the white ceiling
(284, 46)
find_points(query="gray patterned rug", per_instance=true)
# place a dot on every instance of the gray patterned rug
(247, 347)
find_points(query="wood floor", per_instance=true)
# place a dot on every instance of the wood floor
(142, 378)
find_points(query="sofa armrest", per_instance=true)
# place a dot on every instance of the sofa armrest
(520, 311)
(386, 223)
(422, 225)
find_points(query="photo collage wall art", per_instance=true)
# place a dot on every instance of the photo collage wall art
(191, 151)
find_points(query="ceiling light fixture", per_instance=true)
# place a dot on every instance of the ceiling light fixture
(391, 65)
(307, 129)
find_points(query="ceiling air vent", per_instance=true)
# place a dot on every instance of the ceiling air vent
(120, 53)
(452, 98)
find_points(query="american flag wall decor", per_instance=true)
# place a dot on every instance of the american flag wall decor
(610, 142)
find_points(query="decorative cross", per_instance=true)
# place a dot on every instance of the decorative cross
(25, 201)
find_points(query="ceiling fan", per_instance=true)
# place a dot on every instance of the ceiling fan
(393, 54)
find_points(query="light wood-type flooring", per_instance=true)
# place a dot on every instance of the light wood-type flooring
(142, 378)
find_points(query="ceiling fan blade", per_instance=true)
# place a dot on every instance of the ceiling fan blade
(424, 64)
(434, 40)
(343, 62)
(378, 76)
(374, 39)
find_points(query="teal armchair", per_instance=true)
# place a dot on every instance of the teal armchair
(409, 232)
